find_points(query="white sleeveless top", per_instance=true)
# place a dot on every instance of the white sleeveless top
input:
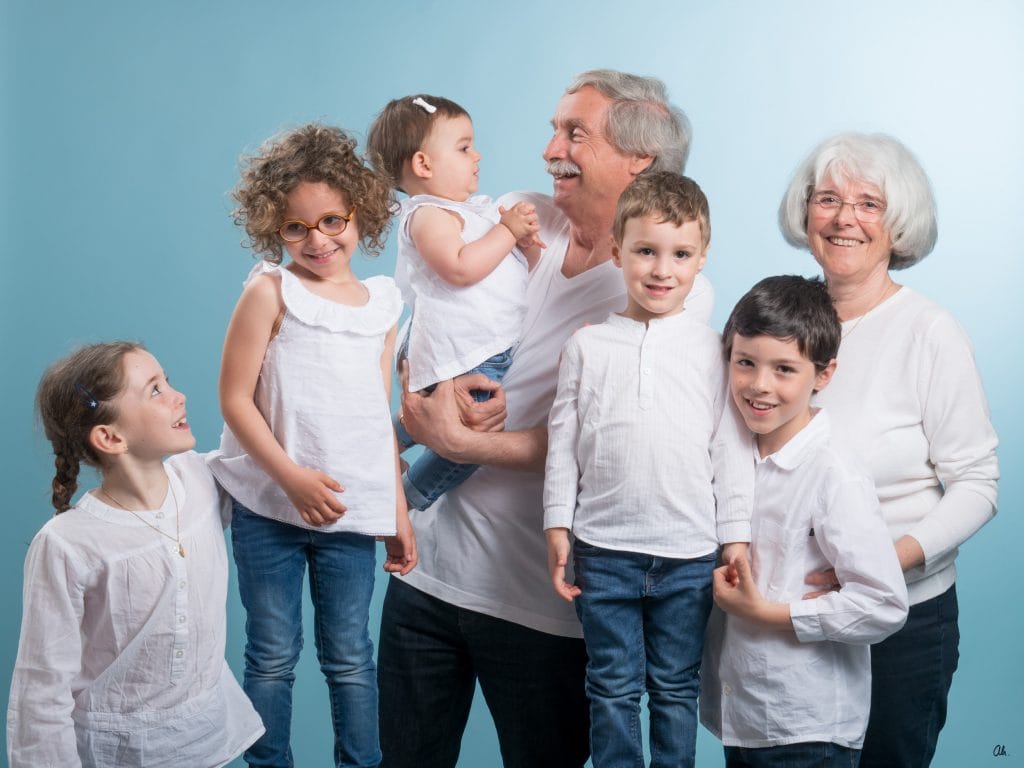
(455, 329)
(320, 390)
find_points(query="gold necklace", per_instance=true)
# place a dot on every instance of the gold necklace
(177, 517)
(879, 300)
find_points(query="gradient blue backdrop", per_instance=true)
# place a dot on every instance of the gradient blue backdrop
(122, 123)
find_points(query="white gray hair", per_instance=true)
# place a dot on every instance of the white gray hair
(641, 120)
(875, 159)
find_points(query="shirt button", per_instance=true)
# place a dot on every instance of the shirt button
(160, 515)
(178, 654)
(727, 689)
(181, 619)
(647, 371)
(181, 584)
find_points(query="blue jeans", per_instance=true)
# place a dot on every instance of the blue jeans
(271, 557)
(911, 672)
(808, 754)
(430, 476)
(643, 619)
(431, 656)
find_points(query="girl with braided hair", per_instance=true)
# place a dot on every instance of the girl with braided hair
(121, 657)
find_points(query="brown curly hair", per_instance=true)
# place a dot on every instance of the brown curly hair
(311, 153)
(74, 395)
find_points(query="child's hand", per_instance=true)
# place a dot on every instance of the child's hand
(312, 493)
(734, 588)
(558, 558)
(735, 549)
(401, 548)
(521, 220)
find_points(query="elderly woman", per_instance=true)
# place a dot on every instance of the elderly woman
(908, 400)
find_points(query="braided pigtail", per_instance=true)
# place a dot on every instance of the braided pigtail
(76, 394)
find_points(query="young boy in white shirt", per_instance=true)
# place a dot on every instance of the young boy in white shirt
(787, 673)
(649, 483)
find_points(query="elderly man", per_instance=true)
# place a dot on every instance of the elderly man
(480, 606)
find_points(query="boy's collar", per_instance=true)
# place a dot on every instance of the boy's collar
(803, 444)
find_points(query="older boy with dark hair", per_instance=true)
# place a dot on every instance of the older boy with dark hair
(787, 675)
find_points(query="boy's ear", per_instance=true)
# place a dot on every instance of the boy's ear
(420, 165)
(106, 440)
(825, 376)
(615, 254)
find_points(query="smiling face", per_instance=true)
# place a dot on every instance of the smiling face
(850, 252)
(589, 171)
(659, 262)
(451, 159)
(771, 383)
(151, 418)
(321, 256)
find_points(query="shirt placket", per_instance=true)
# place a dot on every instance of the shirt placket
(645, 394)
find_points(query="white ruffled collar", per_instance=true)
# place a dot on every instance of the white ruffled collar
(376, 317)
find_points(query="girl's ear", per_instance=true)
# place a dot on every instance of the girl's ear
(421, 166)
(106, 440)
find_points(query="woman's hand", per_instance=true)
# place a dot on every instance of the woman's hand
(312, 492)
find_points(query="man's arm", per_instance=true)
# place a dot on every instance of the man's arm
(449, 422)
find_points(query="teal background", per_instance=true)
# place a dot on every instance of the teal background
(122, 122)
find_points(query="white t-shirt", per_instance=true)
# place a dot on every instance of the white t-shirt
(121, 657)
(482, 544)
(321, 392)
(764, 688)
(454, 329)
(907, 399)
(636, 460)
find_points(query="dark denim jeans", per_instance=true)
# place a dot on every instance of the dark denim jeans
(643, 619)
(911, 672)
(271, 557)
(810, 754)
(431, 476)
(431, 656)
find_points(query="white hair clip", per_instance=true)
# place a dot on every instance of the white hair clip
(419, 102)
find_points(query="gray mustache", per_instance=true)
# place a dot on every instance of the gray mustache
(562, 168)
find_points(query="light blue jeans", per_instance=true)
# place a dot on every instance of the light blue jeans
(431, 476)
(271, 557)
(643, 620)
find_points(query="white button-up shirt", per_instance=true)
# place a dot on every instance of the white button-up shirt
(121, 658)
(813, 510)
(636, 459)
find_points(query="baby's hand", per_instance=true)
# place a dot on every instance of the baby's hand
(312, 493)
(521, 221)
(558, 558)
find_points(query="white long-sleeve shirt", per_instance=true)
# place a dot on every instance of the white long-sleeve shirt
(636, 460)
(906, 399)
(763, 688)
(121, 657)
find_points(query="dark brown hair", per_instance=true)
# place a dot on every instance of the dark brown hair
(75, 394)
(313, 153)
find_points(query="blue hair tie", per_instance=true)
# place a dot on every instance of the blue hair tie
(87, 397)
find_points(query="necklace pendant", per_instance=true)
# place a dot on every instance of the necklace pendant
(181, 549)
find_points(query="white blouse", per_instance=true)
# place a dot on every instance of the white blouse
(121, 657)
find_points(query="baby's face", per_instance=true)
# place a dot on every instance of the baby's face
(659, 262)
(451, 159)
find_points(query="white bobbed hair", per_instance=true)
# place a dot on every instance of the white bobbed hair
(875, 159)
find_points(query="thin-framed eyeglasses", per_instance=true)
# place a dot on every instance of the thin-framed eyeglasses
(331, 224)
(866, 209)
